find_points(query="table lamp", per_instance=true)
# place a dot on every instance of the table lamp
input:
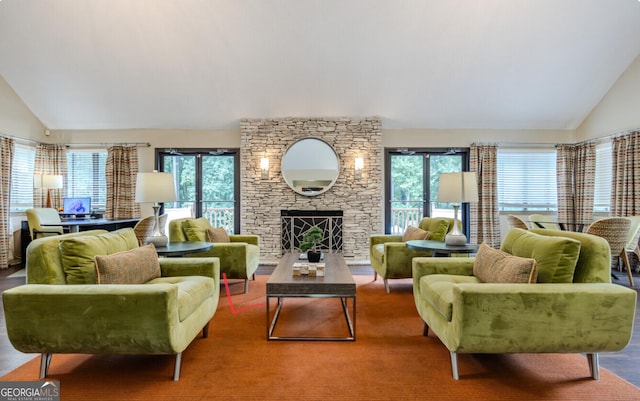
(457, 188)
(48, 182)
(156, 187)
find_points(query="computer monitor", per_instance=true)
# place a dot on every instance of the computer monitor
(76, 205)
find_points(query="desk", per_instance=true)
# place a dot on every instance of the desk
(74, 225)
(178, 249)
(440, 248)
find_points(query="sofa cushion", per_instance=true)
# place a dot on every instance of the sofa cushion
(78, 253)
(494, 266)
(438, 227)
(556, 257)
(196, 229)
(415, 233)
(438, 291)
(218, 235)
(136, 266)
(192, 292)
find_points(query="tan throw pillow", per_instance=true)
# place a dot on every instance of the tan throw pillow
(217, 235)
(495, 266)
(136, 266)
(412, 233)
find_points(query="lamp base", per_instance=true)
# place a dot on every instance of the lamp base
(158, 240)
(455, 239)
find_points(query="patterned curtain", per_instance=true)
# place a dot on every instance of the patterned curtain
(6, 162)
(121, 171)
(576, 168)
(485, 219)
(50, 159)
(625, 187)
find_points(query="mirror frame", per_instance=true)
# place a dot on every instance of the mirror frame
(326, 187)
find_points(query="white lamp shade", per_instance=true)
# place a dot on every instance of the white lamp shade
(155, 187)
(49, 181)
(264, 163)
(359, 163)
(458, 187)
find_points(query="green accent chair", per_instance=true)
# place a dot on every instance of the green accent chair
(43, 215)
(573, 306)
(239, 258)
(62, 310)
(390, 257)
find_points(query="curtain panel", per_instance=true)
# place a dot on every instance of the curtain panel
(121, 171)
(485, 217)
(625, 187)
(50, 159)
(576, 168)
(6, 164)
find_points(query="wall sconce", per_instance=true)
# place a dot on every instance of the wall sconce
(358, 166)
(264, 168)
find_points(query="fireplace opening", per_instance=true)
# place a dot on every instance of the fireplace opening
(296, 222)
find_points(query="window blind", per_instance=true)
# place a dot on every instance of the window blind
(86, 176)
(22, 178)
(603, 178)
(527, 179)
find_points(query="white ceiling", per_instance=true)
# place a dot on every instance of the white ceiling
(204, 64)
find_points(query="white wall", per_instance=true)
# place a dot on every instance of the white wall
(618, 111)
(15, 118)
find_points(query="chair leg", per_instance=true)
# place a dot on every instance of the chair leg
(594, 365)
(625, 259)
(454, 365)
(386, 285)
(246, 285)
(375, 275)
(205, 331)
(45, 361)
(176, 367)
(425, 329)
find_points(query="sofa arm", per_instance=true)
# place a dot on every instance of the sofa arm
(131, 318)
(423, 266)
(208, 267)
(248, 238)
(503, 318)
(381, 239)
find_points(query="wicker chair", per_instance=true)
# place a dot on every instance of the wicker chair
(144, 228)
(517, 222)
(616, 231)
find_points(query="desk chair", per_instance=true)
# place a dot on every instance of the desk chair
(544, 221)
(40, 215)
(616, 231)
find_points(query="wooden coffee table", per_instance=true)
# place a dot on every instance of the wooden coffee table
(336, 283)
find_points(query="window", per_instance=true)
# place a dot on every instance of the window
(603, 179)
(86, 176)
(22, 178)
(527, 180)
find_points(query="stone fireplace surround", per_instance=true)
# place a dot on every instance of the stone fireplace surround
(360, 200)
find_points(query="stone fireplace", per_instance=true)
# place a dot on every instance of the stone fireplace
(263, 200)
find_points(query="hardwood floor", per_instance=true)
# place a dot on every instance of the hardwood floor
(625, 363)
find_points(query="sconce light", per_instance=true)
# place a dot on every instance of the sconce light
(358, 166)
(264, 168)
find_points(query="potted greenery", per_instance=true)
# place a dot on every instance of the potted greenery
(310, 241)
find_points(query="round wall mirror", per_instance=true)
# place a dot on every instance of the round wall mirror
(310, 166)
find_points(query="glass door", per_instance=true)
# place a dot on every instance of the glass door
(411, 185)
(207, 183)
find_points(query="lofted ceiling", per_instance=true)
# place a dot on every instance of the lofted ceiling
(205, 64)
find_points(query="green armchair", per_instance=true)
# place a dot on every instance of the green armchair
(62, 309)
(573, 307)
(390, 257)
(239, 258)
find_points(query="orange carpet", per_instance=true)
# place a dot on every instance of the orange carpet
(390, 359)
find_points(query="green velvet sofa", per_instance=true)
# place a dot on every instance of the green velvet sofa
(62, 309)
(239, 258)
(571, 308)
(390, 257)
